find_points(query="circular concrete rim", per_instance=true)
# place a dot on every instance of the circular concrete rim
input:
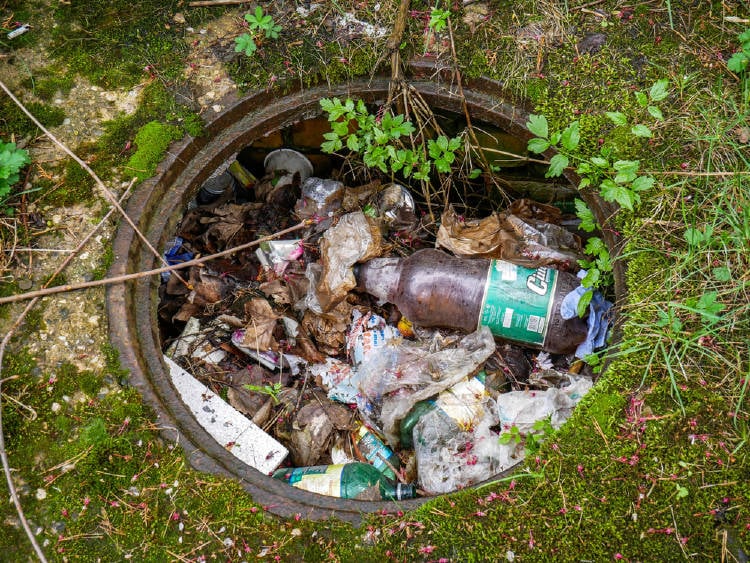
(156, 207)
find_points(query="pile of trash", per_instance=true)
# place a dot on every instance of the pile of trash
(385, 358)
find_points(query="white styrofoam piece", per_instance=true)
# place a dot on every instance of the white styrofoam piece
(230, 428)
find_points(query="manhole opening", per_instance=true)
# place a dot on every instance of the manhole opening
(198, 326)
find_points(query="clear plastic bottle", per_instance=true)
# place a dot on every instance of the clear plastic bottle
(458, 408)
(350, 480)
(432, 288)
(373, 450)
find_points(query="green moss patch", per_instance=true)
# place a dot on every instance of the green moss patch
(151, 143)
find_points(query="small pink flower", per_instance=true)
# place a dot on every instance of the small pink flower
(618, 556)
(427, 549)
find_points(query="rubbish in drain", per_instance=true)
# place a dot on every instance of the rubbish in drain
(338, 345)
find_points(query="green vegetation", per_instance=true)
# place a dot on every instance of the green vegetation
(259, 23)
(378, 139)
(151, 143)
(12, 160)
(653, 464)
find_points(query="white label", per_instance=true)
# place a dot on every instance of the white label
(508, 270)
(507, 318)
(536, 324)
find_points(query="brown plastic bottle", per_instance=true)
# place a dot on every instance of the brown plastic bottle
(434, 289)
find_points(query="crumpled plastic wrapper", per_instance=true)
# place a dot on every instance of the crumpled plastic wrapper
(355, 238)
(399, 376)
(525, 241)
(448, 463)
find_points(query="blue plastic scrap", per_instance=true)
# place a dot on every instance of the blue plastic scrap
(175, 254)
(598, 321)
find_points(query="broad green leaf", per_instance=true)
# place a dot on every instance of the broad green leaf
(595, 246)
(588, 221)
(600, 162)
(626, 165)
(442, 142)
(583, 302)
(442, 165)
(627, 170)
(571, 136)
(659, 90)
(554, 138)
(245, 44)
(694, 236)
(341, 128)
(617, 118)
(641, 131)
(655, 112)
(624, 177)
(642, 99)
(738, 62)
(538, 145)
(616, 192)
(584, 183)
(722, 274)
(557, 165)
(537, 124)
(352, 143)
(454, 144)
(434, 149)
(744, 38)
(591, 278)
(708, 306)
(642, 183)
(475, 173)
(326, 104)
(406, 128)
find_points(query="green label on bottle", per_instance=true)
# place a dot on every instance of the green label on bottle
(518, 301)
(375, 451)
(321, 479)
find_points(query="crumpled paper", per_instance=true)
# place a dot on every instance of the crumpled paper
(521, 239)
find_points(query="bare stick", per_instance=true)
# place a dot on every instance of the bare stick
(472, 134)
(107, 194)
(137, 275)
(3, 345)
(393, 44)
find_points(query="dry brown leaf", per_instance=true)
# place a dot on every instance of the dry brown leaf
(260, 327)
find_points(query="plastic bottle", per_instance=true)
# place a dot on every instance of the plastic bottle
(459, 408)
(350, 480)
(432, 288)
(373, 450)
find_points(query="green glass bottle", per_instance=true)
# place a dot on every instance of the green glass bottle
(460, 406)
(356, 480)
(372, 449)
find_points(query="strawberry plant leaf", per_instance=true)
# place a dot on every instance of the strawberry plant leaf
(537, 124)
(557, 165)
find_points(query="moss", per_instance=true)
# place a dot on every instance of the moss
(151, 143)
(13, 120)
(107, 259)
(115, 45)
(49, 82)
(78, 186)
